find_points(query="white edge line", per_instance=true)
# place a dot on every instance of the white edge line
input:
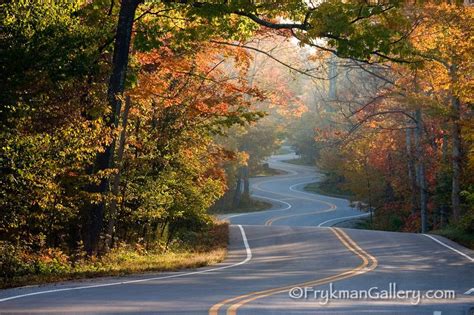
(247, 259)
(247, 247)
(342, 218)
(468, 292)
(288, 206)
(450, 247)
(292, 188)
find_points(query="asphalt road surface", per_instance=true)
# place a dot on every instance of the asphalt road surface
(286, 260)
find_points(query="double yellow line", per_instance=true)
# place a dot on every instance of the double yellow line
(332, 207)
(369, 263)
(272, 220)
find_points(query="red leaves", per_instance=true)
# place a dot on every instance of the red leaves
(200, 81)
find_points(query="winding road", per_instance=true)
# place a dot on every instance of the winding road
(286, 260)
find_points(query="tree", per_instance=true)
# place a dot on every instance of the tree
(51, 124)
(426, 95)
(443, 44)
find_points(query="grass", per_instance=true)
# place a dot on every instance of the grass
(453, 233)
(208, 248)
(457, 235)
(357, 223)
(264, 172)
(328, 189)
(283, 150)
(299, 161)
(251, 205)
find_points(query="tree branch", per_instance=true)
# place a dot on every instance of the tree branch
(270, 56)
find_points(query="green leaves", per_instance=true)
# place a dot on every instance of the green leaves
(359, 30)
(44, 48)
(55, 60)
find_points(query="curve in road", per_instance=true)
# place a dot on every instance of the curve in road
(266, 262)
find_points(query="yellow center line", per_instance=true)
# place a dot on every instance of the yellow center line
(332, 207)
(272, 220)
(257, 186)
(369, 263)
(297, 197)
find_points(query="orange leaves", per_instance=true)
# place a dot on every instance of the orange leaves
(220, 108)
(372, 124)
(181, 100)
(243, 158)
(199, 81)
(444, 40)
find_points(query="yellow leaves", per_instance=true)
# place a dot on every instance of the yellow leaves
(445, 31)
(444, 40)
(242, 158)
(372, 124)
(468, 135)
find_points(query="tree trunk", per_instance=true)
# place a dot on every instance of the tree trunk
(444, 208)
(369, 190)
(411, 172)
(245, 173)
(421, 171)
(137, 137)
(332, 73)
(116, 180)
(456, 153)
(238, 190)
(445, 153)
(116, 87)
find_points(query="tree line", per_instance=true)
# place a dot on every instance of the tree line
(110, 110)
(398, 133)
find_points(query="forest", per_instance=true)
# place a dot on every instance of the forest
(125, 125)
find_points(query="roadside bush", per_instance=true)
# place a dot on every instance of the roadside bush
(20, 265)
(11, 262)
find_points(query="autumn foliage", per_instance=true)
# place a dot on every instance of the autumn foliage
(406, 144)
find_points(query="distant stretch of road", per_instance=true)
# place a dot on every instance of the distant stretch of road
(292, 205)
(285, 260)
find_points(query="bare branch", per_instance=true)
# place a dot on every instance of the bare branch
(270, 56)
